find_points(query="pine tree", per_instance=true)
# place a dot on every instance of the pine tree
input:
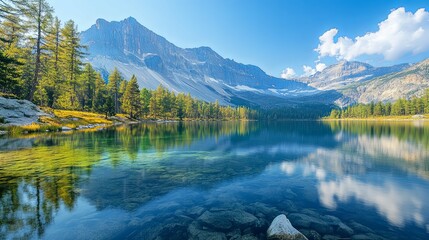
(145, 101)
(39, 16)
(87, 87)
(131, 100)
(189, 107)
(378, 109)
(180, 105)
(102, 102)
(8, 73)
(51, 79)
(70, 59)
(11, 53)
(426, 101)
(113, 85)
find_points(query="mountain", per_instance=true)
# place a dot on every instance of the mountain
(362, 83)
(410, 82)
(344, 73)
(203, 73)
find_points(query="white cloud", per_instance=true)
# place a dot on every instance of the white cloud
(320, 67)
(288, 73)
(308, 71)
(401, 33)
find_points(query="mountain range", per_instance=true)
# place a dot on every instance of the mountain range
(362, 83)
(133, 49)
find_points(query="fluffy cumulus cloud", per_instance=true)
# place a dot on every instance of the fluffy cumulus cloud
(308, 71)
(288, 73)
(401, 33)
(320, 67)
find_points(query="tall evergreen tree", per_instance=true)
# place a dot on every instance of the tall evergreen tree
(70, 58)
(102, 102)
(113, 86)
(11, 38)
(52, 78)
(145, 101)
(39, 15)
(131, 103)
(87, 87)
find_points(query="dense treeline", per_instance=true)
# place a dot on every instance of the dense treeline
(41, 60)
(401, 107)
(122, 96)
(304, 111)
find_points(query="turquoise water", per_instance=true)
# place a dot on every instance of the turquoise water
(219, 180)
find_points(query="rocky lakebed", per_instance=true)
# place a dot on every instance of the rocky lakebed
(238, 221)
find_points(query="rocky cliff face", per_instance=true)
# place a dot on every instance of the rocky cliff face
(408, 83)
(134, 49)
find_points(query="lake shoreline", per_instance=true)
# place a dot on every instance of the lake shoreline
(57, 121)
(409, 118)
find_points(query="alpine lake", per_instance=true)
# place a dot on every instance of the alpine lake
(218, 180)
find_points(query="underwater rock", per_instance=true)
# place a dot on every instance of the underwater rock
(290, 206)
(234, 234)
(196, 232)
(344, 231)
(330, 237)
(310, 222)
(311, 234)
(195, 211)
(225, 220)
(177, 230)
(331, 220)
(359, 228)
(282, 229)
(261, 208)
(367, 237)
(215, 221)
(248, 237)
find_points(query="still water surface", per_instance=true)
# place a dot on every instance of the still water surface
(219, 180)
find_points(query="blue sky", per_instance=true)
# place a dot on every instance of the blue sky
(273, 35)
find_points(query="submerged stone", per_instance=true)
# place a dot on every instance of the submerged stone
(196, 232)
(311, 234)
(367, 237)
(344, 230)
(195, 211)
(226, 219)
(282, 229)
(249, 237)
(359, 228)
(330, 237)
(311, 222)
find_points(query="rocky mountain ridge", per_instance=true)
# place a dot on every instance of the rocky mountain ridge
(362, 83)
